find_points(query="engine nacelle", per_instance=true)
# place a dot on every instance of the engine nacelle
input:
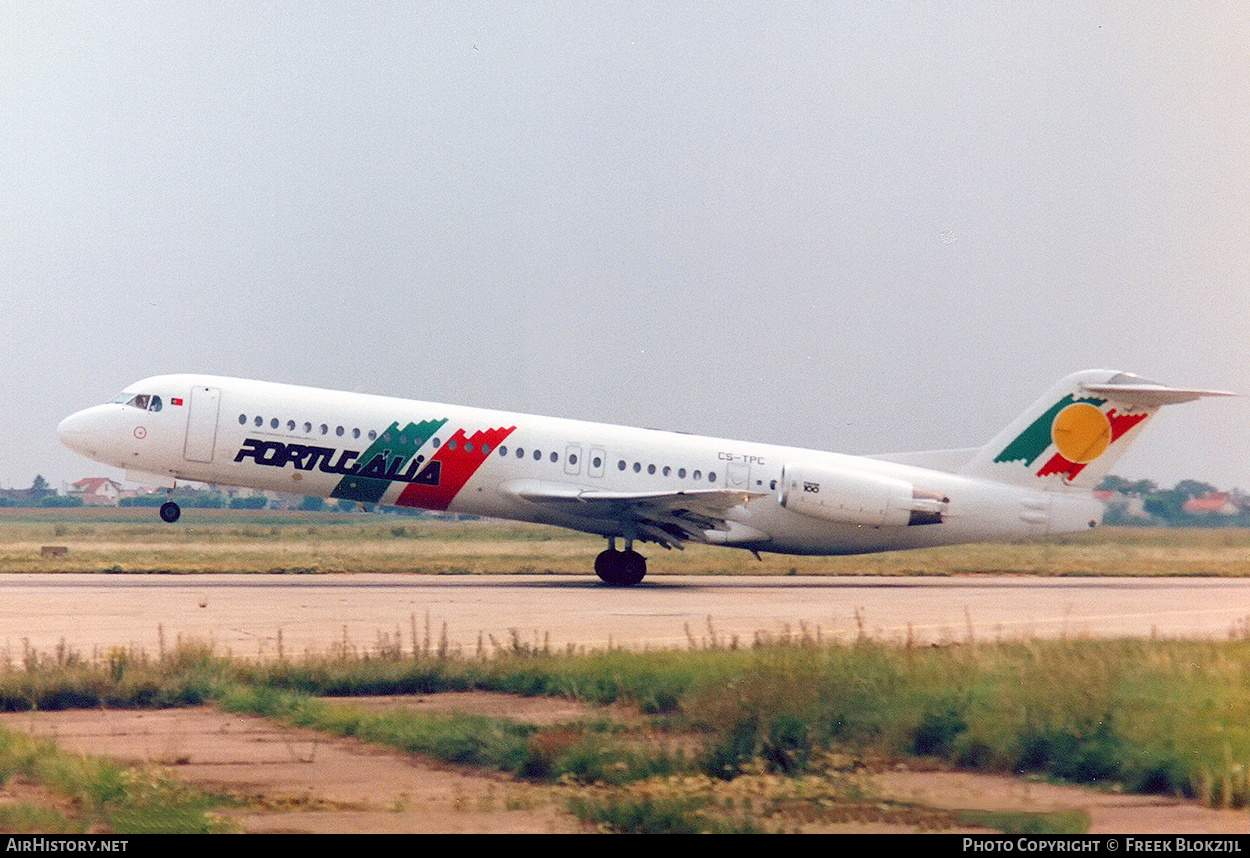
(858, 497)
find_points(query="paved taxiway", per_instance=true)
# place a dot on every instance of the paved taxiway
(254, 615)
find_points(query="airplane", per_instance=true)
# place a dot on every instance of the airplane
(1034, 478)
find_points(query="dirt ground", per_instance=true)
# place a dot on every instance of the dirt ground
(294, 780)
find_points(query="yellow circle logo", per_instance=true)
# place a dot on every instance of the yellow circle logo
(1081, 432)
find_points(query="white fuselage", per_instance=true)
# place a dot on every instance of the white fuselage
(375, 449)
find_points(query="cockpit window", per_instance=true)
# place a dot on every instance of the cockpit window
(142, 401)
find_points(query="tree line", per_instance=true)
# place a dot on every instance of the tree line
(1143, 502)
(1131, 502)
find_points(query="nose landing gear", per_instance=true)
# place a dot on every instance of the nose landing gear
(620, 568)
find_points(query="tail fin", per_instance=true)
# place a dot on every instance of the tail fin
(1076, 432)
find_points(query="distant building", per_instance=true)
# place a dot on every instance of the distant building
(96, 491)
(1214, 503)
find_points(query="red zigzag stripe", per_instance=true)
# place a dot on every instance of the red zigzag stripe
(458, 460)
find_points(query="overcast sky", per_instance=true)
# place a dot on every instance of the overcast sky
(859, 227)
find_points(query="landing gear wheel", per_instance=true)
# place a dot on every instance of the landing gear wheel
(620, 568)
(170, 511)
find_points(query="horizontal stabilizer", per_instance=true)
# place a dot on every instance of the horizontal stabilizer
(1150, 395)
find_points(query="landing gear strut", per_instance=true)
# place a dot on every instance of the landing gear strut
(620, 568)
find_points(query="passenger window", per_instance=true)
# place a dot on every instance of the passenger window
(711, 476)
(503, 451)
(242, 419)
(637, 467)
(620, 466)
(325, 429)
(258, 420)
(697, 474)
(667, 470)
(290, 425)
(650, 469)
(355, 433)
(537, 455)
(307, 428)
(273, 424)
(681, 472)
(373, 436)
(452, 444)
(597, 462)
(339, 431)
(520, 452)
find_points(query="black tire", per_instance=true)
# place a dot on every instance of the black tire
(606, 564)
(633, 569)
(170, 511)
(620, 568)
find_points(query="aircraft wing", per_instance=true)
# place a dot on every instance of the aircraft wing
(668, 518)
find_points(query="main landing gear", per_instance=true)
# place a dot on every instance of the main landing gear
(170, 510)
(620, 568)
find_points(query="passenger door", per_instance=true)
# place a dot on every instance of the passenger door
(201, 440)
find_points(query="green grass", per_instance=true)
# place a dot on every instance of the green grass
(1039, 824)
(647, 815)
(587, 753)
(1167, 717)
(1162, 717)
(248, 541)
(100, 795)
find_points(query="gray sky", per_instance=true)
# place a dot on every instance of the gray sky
(857, 227)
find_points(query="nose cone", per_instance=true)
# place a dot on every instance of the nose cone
(80, 431)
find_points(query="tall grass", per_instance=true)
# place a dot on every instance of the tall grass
(1164, 717)
(1153, 717)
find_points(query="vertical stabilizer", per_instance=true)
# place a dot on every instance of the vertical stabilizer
(1077, 431)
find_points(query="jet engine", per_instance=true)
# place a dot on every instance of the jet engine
(857, 497)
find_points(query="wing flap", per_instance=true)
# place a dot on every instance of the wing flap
(668, 518)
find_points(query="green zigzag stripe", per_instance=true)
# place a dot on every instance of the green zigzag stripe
(394, 442)
(1033, 441)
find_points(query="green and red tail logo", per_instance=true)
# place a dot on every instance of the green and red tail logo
(1078, 431)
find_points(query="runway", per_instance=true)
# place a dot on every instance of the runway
(267, 615)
